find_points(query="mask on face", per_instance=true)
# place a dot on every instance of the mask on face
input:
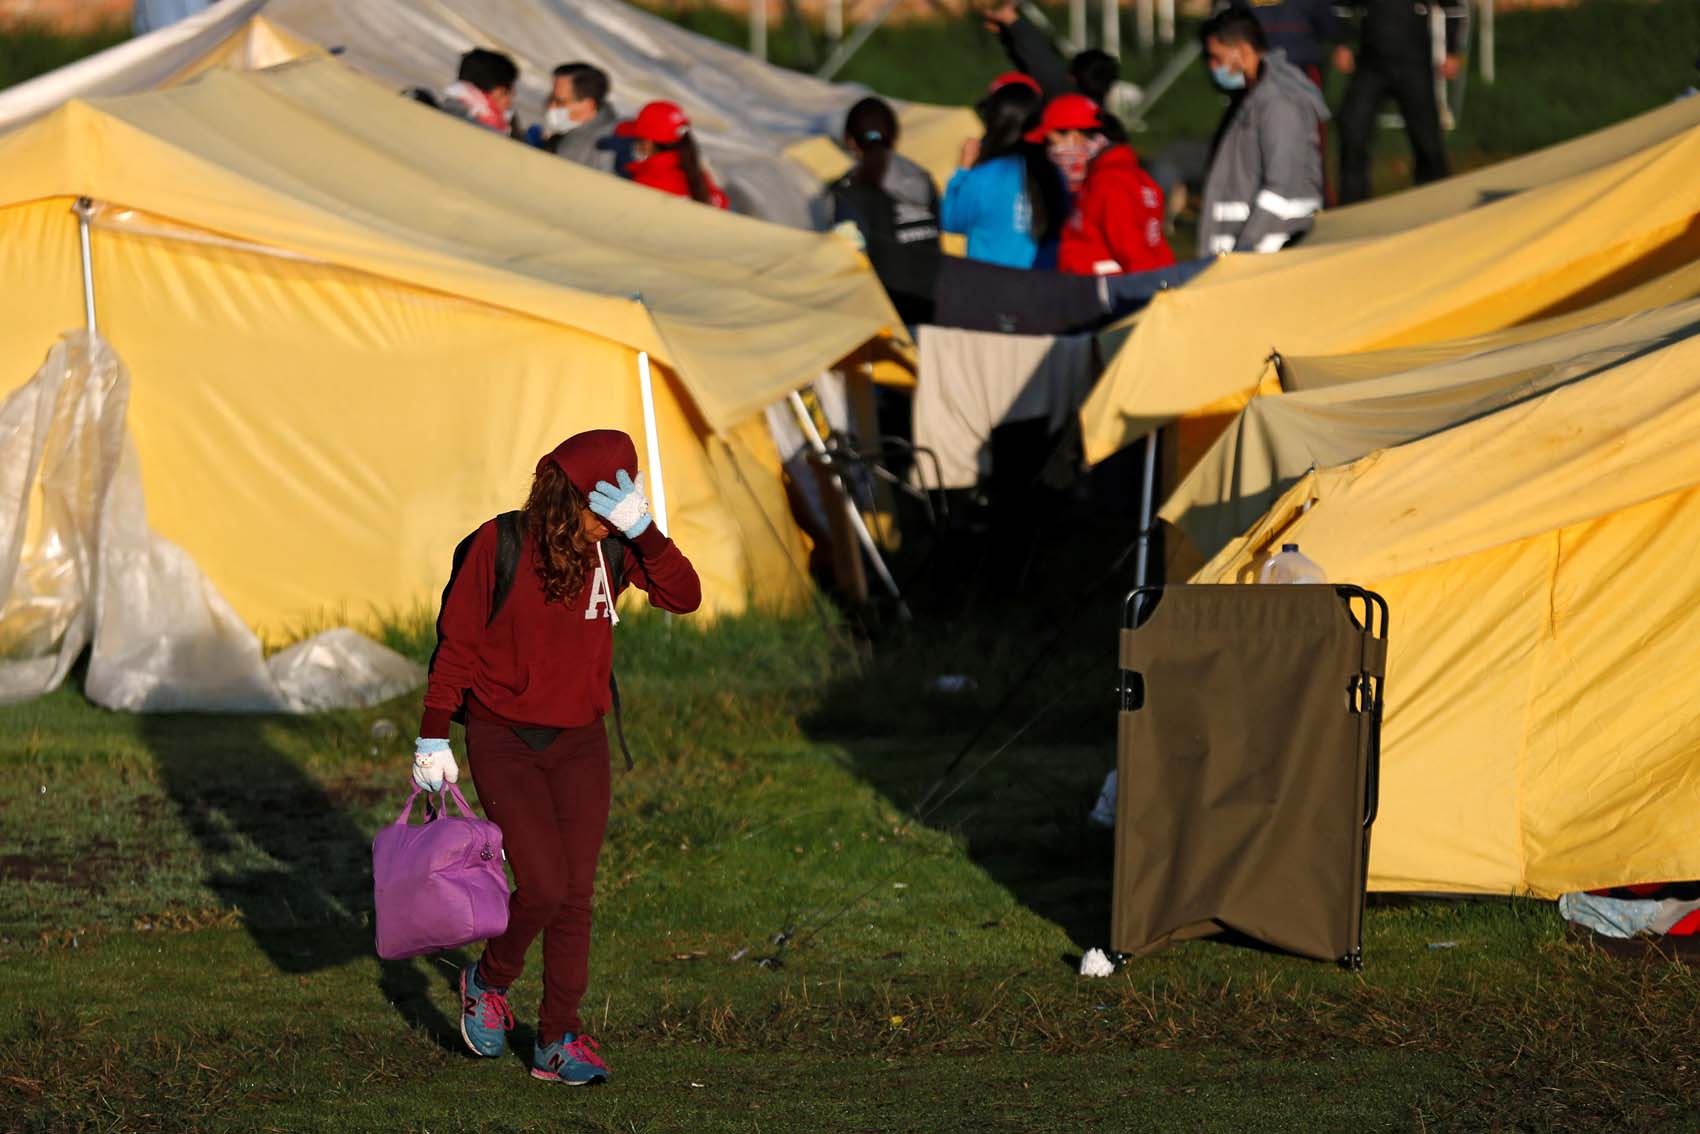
(1228, 80)
(557, 120)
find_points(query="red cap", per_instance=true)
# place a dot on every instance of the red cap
(1014, 78)
(1067, 112)
(598, 454)
(660, 122)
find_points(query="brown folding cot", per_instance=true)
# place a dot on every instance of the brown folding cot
(1247, 765)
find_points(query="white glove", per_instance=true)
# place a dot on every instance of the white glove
(433, 765)
(622, 504)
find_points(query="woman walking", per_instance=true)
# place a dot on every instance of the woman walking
(525, 654)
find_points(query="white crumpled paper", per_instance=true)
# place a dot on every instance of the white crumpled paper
(1097, 963)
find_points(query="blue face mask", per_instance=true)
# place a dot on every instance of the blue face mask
(1228, 80)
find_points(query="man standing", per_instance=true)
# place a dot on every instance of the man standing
(1395, 60)
(1265, 180)
(579, 116)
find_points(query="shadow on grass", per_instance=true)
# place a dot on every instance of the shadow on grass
(286, 853)
(992, 716)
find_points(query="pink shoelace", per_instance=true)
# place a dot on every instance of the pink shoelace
(584, 1050)
(496, 1011)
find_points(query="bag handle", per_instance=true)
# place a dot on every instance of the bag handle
(450, 791)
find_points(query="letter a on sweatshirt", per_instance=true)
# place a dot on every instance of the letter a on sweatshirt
(601, 603)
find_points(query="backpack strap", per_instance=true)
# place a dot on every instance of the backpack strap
(614, 554)
(510, 539)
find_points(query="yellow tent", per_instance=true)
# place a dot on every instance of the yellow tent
(1454, 195)
(1541, 733)
(354, 324)
(1346, 406)
(1200, 350)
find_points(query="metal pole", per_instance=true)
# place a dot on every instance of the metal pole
(1077, 24)
(658, 485)
(1113, 25)
(84, 208)
(1177, 66)
(1165, 21)
(863, 535)
(1147, 503)
(858, 38)
(758, 28)
(1487, 41)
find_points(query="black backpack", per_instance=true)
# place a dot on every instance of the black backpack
(510, 539)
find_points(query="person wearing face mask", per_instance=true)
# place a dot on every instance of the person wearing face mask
(483, 90)
(665, 155)
(1265, 182)
(578, 117)
(1116, 225)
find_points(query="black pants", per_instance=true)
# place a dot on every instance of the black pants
(1410, 83)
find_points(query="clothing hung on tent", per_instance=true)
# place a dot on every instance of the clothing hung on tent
(972, 381)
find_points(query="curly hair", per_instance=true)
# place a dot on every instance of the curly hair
(562, 553)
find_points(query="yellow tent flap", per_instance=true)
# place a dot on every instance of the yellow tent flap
(313, 159)
(1540, 734)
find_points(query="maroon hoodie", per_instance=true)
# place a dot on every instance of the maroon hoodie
(542, 663)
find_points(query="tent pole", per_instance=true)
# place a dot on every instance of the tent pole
(1147, 501)
(84, 208)
(658, 489)
(858, 38)
(758, 29)
(863, 535)
(1487, 41)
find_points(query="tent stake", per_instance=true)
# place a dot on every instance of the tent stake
(1147, 498)
(84, 208)
(863, 535)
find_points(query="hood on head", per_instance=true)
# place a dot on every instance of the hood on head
(598, 454)
(1293, 82)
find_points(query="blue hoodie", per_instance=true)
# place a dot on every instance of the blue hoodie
(988, 204)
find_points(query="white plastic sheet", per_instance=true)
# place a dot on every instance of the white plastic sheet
(80, 567)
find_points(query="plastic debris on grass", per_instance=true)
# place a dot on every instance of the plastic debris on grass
(1097, 963)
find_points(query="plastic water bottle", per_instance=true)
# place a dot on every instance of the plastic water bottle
(1291, 566)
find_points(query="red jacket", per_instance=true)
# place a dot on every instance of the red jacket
(1117, 223)
(660, 170)
(541, 663)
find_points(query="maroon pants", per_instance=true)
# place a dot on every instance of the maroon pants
(552, 807)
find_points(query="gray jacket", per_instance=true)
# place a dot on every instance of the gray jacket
(579, 144)
(1265, 181)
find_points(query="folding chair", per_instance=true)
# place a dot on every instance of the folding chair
(1249, 751)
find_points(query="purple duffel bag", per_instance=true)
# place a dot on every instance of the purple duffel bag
(438, 885)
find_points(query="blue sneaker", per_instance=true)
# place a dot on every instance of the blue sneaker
(484, 1016)
(573, 1060)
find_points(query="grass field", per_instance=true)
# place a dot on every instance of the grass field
(187, 934)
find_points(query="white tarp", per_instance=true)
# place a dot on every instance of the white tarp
(79, 566)
(744, 109)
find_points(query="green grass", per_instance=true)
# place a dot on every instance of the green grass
(28, 50)
(186, 933)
